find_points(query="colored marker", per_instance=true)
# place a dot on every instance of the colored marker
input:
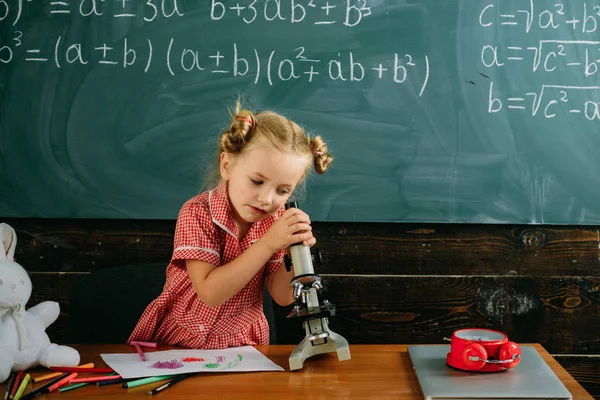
(9, 384)
(62, 382)
(42, 389)
(138, 348)
(96, 378)
(145, 381)
(22, 387)
(83, 370)
(144, 344)
(168, 384)
(113, 381)
(16, 384)
(73, 386)
(46, 377)
(53, 375)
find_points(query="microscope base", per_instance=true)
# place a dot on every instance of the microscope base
(333, 342)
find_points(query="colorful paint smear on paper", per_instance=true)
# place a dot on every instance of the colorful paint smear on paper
(234, 363)
(193, 359)
(172, 364)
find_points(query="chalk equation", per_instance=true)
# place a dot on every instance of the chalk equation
(318, 12)
(549, 100)
(585, 18)
(547, 56)
(349, 14)
(274, 66)
(555, 60)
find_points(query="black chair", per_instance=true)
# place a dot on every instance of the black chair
(105, 306)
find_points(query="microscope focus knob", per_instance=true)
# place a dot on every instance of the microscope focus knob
(297, 290)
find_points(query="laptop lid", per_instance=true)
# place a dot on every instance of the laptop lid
(532, 378)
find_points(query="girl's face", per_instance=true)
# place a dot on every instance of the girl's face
(260, 181)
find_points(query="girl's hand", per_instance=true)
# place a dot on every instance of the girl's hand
(310, 242)
(292, 227)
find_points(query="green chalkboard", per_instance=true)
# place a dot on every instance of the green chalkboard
(461, 111)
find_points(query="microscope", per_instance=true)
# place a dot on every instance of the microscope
(314, 315)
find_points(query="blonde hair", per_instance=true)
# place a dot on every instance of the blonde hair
(276, 131)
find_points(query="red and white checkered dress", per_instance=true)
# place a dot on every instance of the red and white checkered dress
(206, 231)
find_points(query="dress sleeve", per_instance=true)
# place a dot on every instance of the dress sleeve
(275, 262)
(196, 236)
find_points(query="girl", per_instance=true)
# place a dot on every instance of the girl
(230, 239)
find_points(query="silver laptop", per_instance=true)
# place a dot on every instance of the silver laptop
(531, 379)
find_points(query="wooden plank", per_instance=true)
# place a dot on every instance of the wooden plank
(585, 370)
(71, 245)
(350, 248)
(556, 312)
(55, 287)
(560, 313)
(457, 249)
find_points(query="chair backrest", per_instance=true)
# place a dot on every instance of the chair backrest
(106, 305)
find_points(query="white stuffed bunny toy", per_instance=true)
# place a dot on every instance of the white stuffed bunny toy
(23, 340)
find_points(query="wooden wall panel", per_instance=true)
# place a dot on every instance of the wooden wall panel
(349, 248)
(438, 249)
(392, 283)
(65, 245)
(561, 313)
(55, 287)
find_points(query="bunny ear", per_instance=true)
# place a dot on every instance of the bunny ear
(8, 242)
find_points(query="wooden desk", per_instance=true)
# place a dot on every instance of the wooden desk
(374, 372)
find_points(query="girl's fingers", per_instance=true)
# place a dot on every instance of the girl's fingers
(292, 212)
(296, 215)
(304, 236)
(300, 227)
(310, 242)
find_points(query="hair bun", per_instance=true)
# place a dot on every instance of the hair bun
(322, 159)
(234, 138)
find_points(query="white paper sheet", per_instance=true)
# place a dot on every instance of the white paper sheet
(169, 362)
